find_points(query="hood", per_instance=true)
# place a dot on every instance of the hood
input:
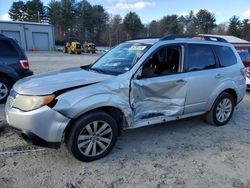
(48, 83)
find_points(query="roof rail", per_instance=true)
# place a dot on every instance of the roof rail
(198, 36)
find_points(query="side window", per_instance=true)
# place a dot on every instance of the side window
(165, 61)
(200, 57)
(226, 56)
(7, 49)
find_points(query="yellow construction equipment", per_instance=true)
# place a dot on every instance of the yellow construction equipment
(72, 47)
(89, 47)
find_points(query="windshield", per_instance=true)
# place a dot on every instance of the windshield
(120, 59)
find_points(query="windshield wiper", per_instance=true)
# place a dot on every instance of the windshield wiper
(99, 70)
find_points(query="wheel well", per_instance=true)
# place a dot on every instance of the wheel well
(116, 113)
(7, 76)
(233, 93)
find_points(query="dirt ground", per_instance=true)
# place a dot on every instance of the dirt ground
(185, 153)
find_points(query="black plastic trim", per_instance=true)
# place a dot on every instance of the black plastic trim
(206, 37)
(36, 140)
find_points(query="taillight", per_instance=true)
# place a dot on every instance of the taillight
(244, 72)
(24, 64)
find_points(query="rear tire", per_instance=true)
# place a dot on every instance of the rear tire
(92, 136)
(5, 87)
(222, 110)
(65, 50)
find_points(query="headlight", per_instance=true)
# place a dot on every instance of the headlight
(28, 103)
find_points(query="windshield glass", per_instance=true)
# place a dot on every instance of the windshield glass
(120, 59)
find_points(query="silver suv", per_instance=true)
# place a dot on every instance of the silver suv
(137, 83)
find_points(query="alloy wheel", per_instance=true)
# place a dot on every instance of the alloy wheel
(94, 138)
(3, 90)
(224, 110)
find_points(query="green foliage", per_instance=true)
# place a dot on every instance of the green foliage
(190, 24)
(171, 25)
(17, 11)
(132, 23)
(245, 29)
(99, 19)
(234, 26)
(55, 12)
(153, 29)
(31, 11)
(113, 32)
(205, 21)
(68, 15)
(34, 11)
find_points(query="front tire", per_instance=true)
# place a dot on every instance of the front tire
(92, 136)
(5, 86)
(222, 110)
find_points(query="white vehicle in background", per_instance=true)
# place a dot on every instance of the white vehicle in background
(245, 57)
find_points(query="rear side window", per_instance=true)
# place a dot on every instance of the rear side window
(7, 49)
(226, 56)
(200, 57)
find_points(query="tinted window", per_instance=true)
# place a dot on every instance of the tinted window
(225, 55)
(7, 49)
(165, 61)
(200, 57)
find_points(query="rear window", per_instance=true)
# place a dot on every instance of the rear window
(225, 55)
(7, 49)
(200, 57)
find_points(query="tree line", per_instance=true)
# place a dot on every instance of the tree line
(82, 21)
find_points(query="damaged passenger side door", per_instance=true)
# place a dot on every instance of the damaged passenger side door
(159, 88)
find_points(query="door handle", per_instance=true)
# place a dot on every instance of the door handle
(181, 81)
(218, 76)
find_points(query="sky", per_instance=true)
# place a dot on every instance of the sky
(149, 10)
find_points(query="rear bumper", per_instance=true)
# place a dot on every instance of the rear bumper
(43, 126)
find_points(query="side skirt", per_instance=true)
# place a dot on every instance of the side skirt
(161, 119)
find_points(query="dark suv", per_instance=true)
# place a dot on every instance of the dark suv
(13, 65)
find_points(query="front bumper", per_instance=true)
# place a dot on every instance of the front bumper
(43, 126)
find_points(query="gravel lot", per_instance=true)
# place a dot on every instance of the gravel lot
(185, 153)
